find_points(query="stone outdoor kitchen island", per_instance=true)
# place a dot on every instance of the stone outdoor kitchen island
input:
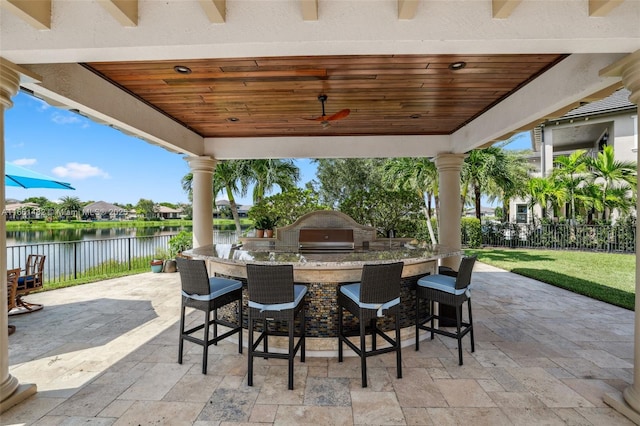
(323, 265)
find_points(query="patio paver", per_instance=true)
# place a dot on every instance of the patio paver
(106, 354)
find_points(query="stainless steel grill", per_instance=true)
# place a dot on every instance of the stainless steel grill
(325, 239)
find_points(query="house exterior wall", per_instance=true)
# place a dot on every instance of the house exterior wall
(622, 133)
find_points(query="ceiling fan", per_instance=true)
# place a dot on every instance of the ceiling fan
(325, 119)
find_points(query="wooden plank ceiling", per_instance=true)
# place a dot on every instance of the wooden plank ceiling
(386, 94)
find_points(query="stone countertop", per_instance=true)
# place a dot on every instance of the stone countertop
(271, 254)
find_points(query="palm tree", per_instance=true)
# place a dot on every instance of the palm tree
(266, 174)
(514, 183)
(610, 174)
(545, 192)
(571, 171)
(419, 175)
(589, 199)
(72, 206)
(482, 169)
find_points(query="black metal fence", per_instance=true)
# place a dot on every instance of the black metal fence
(74, 260)
(619, 238)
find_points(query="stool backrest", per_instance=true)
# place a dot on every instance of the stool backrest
(269, 284)
(464, 272)
(380, 283)
(193, 276)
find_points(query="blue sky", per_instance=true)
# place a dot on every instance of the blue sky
(102, 163)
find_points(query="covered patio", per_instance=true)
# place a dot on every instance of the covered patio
(220, 80)
(106, 353)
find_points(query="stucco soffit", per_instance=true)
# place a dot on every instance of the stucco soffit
(327, 147)
(574, 79)
(74, 87)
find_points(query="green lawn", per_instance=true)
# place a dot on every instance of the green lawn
(603, 276)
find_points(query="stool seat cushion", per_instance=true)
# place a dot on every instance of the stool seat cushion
(352, 291)
(442, 283)
(298, 294)
(217, 287)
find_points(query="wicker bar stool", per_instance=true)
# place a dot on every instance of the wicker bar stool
(207, 294)
(451, 289)
(376, 296)
(274, 297)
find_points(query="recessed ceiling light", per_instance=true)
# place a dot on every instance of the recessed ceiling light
(233, 119)
(455, 66)
(181, 69)
(415, 116)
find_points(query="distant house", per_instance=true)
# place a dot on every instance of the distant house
(23, 211)
(242, 209)
(164, 212)
(610, 121)
(484, 212)
(101, 210)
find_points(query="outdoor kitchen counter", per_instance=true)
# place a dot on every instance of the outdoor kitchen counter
(323, 272)
(329, 266)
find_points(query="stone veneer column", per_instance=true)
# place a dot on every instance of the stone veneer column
(450, 208)
(202, 185)
(11, 391)
(629, 69)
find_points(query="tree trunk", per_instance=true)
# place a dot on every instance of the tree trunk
(234, 211)
(506, 209)
(432, 235)
(477, 195)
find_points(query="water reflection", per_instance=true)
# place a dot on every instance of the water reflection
(79, 234)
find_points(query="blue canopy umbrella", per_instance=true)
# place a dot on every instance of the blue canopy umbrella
(25, 178)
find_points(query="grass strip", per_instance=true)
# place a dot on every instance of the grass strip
(608, 277)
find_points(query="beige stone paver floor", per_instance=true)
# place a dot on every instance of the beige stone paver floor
(106, 354)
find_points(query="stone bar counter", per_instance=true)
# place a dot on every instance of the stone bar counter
(328, 248)
(323, 272)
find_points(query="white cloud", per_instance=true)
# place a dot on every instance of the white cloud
(59, 118)
(25, 162)
(79, 171)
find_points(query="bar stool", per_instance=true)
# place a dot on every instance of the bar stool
(274, 297)
(207, 294)
(375, 296)
(447, 288)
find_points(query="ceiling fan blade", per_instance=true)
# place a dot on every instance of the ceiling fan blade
(339, 115)
(321, 118)
(324, 119)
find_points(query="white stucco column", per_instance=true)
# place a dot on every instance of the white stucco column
(629, 404)
(202, 186)
(11, 391)
(450, 209)
(546, 152)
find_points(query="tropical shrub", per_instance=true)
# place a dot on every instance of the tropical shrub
(471, 232)
(182, 241)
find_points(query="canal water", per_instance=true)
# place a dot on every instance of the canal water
(74, 251)
(15, 238)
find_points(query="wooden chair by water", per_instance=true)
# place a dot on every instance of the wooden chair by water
(32, 280)
(12, 288)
